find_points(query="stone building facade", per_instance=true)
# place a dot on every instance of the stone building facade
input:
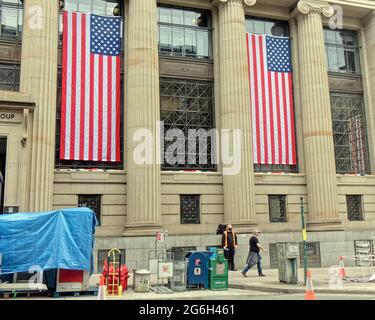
(187, 58)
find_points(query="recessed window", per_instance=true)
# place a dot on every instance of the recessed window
(267, 27)
(184, 32)
(190, 209)
(277, 208)
(93, 202)
(350, 136)
(354, 207)
(11, 19)
(187, 111)
(342, 51)
(9, 77)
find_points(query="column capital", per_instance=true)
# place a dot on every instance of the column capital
(246, 3)
(309, 6)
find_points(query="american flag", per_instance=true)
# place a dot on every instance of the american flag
(271, 92)
(90, 110)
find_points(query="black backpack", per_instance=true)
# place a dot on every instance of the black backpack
(221, 228)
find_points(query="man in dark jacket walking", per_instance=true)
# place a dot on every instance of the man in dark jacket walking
(229, 243)
(253, 257)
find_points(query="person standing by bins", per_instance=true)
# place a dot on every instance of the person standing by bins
(252, 258)
(229, 244)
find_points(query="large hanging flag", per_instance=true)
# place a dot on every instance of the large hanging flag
(271, 91)
(90, 110)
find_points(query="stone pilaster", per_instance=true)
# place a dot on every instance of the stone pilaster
(39, 79)
(143, 112)
(316, 117)
(368, 63)
(234, 95)
(297, 94)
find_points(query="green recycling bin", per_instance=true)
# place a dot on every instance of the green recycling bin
(218, 271)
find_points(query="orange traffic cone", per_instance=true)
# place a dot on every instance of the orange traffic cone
(342, 274)
(102, 289)
(309, 294)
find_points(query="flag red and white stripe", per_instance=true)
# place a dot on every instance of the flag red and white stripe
(90, 110)
(272, 107)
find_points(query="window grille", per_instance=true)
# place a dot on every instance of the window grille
(350, 135)
(190, 209)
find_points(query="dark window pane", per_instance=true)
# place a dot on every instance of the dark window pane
(354, 207)
(9, 77)
(351, 63)
(190, 209)
(93, 202)
(277, 208)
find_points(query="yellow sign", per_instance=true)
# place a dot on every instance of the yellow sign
(304, 235)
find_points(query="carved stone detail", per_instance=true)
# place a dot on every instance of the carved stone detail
(248, 3)
(309, 6)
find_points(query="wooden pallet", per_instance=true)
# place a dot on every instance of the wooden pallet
(92, 292)
(27, 294)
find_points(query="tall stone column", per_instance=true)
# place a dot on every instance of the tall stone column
(368, 62)
(143, 112)
(39, 79)
(316, 117)
(234, 95)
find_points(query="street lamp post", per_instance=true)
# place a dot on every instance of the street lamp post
(304, 239)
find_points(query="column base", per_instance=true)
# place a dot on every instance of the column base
(325, 225)
(243, 226)
(142, 229)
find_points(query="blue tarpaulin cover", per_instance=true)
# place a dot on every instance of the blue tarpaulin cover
(61, 239)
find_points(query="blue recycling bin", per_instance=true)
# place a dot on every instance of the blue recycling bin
(198, 269)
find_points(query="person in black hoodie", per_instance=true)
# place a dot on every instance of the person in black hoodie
(229, 244)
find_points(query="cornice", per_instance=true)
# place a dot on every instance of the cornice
(246, 3)
(309, 6)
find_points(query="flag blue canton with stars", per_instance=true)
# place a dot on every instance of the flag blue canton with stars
(278, 54)
(105, 35)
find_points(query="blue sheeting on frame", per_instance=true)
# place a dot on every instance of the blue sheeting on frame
(61, 239)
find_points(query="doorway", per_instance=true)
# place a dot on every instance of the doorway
(3, 156)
